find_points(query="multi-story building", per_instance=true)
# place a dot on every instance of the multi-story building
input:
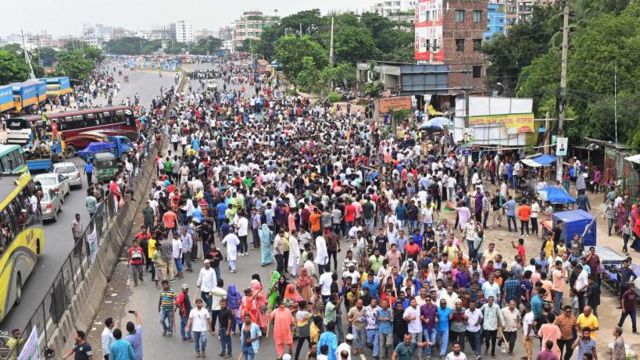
(183, 31)
(96, 35)
(525, 8)
(451, 32)
(250, 26)
(496, 20)
(225, 33)
(387, 8)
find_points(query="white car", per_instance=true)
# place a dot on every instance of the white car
(50, 205)
(70, 171)
(56, 182)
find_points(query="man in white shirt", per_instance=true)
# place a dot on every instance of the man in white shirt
(107, 337)
(207, 280)
(325, 281)
(474, 327)
(176, 254)
(412, 316)
(199, 322)
(345, 347)
(242, 225)
(231, 242)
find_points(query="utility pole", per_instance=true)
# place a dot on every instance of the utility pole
(331, 44)
(562, 93)
(300, 29)
(615, 98)
(32, 75)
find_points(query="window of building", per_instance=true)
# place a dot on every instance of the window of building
(477, 44)
(459, 15)
(477, 72)
(477, 16)
(459, 44)
(427, 44)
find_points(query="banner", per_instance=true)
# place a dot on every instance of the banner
(92, 244)
(31, 348)
(562, 146)
(515, 123)
(394, 103)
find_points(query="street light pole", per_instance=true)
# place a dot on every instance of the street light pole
(562, 92)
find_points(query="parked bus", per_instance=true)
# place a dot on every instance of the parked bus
(77, 129)
(12, 159)
(21, 239)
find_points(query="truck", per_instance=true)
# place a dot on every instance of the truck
(28, 93)
(117, 145)
(41, 154)
(58, 86)
(6, 98)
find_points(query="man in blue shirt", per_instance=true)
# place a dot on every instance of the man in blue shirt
(385, 327)
(510, 207)
(330, 339)
(121, 349)
(88, 170)
(371, 284)
(442, 328)
(537, 304)
(221, 208)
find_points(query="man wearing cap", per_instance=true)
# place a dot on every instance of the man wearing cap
(183, 302)
(207, 280)
(345, 347)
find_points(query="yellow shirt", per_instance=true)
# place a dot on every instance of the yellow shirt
(589, 322)
(314, 333)
(152, 247)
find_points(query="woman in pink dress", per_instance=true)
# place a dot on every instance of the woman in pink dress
(304, 282)
(260, 302)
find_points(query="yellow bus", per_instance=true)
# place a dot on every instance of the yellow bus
(21, 236)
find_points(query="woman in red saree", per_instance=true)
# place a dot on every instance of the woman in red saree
(248, 306)
(292, 294)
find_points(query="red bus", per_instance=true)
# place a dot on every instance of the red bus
(76, 128)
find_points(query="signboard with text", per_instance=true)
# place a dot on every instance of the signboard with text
(514, 123)
(562, 146)
(31, 348)
(395, 103)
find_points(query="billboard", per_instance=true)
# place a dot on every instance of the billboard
(514, 123)
(428, 31)
(394, 103)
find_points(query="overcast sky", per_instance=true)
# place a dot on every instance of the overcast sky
(65, 17)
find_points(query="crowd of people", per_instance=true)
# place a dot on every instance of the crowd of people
(303, 185)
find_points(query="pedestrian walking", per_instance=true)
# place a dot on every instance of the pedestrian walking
(199, 323)
(81, 349)
(77, 232)
(137, 260)
(166, 308)
(250, 338)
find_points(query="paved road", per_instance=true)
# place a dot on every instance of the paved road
(58, 234)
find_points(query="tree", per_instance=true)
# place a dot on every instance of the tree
(291, 50)
(308, 78)
(132, 46)
(47, 56)
(354, 44)
(93, 53)
(206, 46)
(342, 75)
(12, 67)
(75, 65)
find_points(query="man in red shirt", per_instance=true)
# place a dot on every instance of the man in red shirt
(349, 215)
(169, 221)
(136, 260)
(412, 249)
(143, 239)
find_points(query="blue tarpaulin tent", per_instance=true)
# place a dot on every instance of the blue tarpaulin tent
(540, 160)
(555, 195)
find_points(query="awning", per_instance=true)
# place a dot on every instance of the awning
(555, 195)
(538, 161)
(633, 158)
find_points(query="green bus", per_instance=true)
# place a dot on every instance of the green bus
(12, 160)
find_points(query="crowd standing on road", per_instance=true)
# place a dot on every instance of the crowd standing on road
(303, 182)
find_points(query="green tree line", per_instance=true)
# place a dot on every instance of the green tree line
(140, 46)
(77, 61)
(604, 45)
(304, 57)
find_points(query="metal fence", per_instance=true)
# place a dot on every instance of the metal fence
(97, 234)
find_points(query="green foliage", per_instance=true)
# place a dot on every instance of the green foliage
(291, 50)
(12, 67)
(341, 75)
(354, 44)
(75, 65)
(334, 97)
(605, 42)
(47, 56)
(132, 46)
(372, 89)
(308, 78)
(206, 46)
(400, 115)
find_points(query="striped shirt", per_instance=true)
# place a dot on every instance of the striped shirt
(167, 299)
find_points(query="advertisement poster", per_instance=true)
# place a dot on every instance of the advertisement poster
(31, 348)
(562, 146)
(514, 123)
(92, 243)
(428, 32)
